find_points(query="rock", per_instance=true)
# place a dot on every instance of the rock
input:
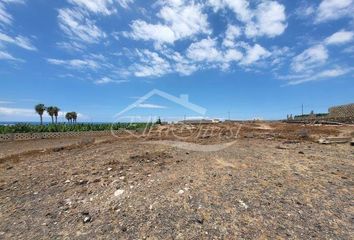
(281, 147)
(53, 184)
(82, 182)
(199, 220)
(118, 193)
(243, 204)
(109, 169)
(67, 181)
(87, 219)
(301, 152)
(96, 180)
(180, 192)
(85, 213)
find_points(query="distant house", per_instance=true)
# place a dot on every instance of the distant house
(196, 121)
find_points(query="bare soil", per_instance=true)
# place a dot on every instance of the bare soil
(275, 182)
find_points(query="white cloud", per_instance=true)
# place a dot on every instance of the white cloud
(232, 55)
(340, 37)
(322, 75)
(279, 56)
(125, 3)
(267, 19)
(20, 41)
(5, 16)
(75, 63)
(17, 112)
(150, 106)
(232, 32)
(179, 20)
(104, 7)
(270, 20)
(107, 80)
(185, 20)
(78, 26)
(310, 58)
(240, 8)
(151, 65)
(254, 54)
(204, 50)
(204, 54)
(156, 32)
(334, 9)
(305, 10)
(185, 69)
(180, 64)
(7, 56)
(71, 46)
(349, 49)
(5, 102)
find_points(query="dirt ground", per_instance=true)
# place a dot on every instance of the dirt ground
(274, 182)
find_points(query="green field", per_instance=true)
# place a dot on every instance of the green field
(64, 127)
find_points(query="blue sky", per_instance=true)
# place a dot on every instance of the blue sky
(253, 59)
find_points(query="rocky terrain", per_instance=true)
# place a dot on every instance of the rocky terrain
(274, 182)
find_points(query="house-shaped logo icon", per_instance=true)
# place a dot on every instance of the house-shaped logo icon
(183, 100)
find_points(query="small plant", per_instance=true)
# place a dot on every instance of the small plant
(158, 121)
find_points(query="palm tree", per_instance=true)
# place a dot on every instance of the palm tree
(50, 111)
(40, 108)
(68, 117)
(74, 116)
(56, 111)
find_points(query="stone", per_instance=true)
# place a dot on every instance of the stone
(118, 193)
(180, 192)
(82, 182)
(87, 219)
(243, 204)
